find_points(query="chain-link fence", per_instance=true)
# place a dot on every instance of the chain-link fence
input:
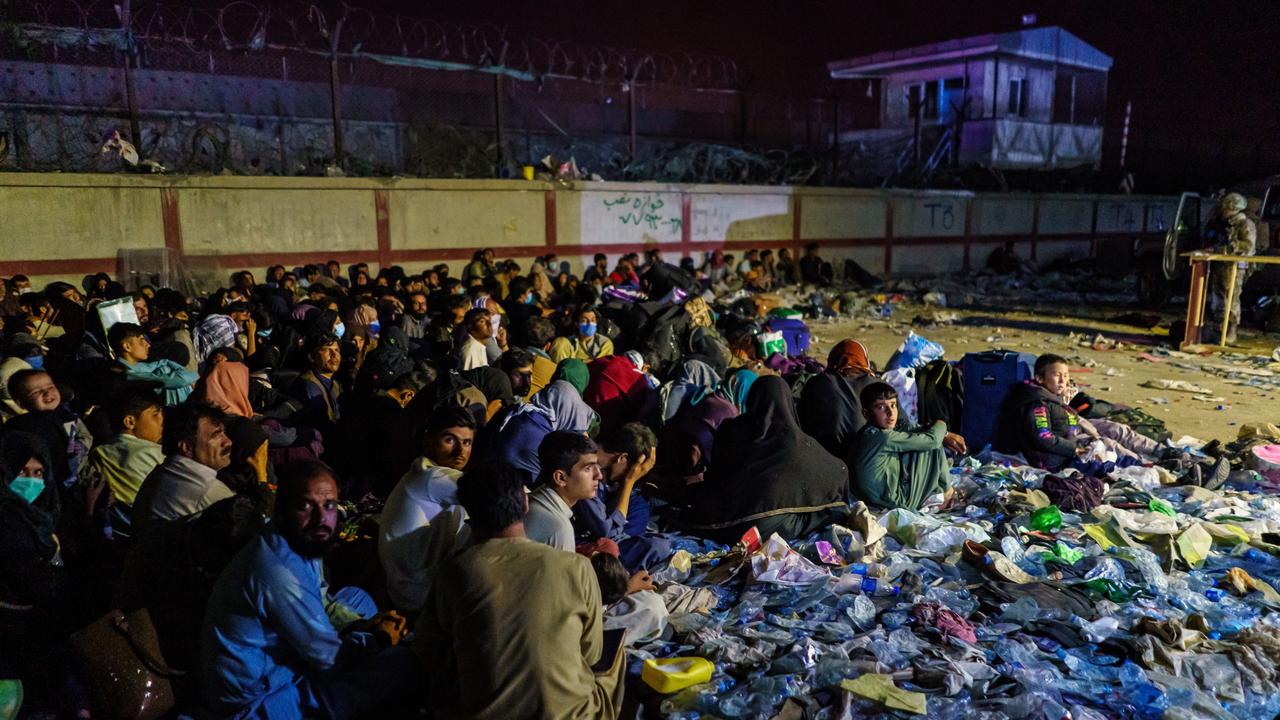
(304, 89)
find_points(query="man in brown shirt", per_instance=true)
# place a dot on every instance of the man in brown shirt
(512, 627)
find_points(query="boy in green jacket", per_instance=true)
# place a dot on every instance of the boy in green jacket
(892, 468)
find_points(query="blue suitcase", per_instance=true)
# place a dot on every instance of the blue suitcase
(987, 379)
(794, 332)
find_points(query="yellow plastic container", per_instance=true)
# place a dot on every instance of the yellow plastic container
(671, 674)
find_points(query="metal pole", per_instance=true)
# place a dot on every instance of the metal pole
(334, 103)
(335, 96)
(130, 91)
(631, 118)
(498, 129)
(1124, 133)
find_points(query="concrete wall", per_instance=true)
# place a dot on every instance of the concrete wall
(68, 225)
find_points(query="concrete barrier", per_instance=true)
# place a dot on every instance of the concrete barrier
(64, 226)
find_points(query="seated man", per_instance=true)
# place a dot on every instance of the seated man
(274, 642)
(512, 628)
(569, 472)
(127, 460)
(891, 468)
(1036, 423)
(196, 447)
(618, 511)
(132, 349)
(317, 388)
(422, 523)
(587, 344)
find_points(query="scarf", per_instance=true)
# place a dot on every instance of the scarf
(736, 386)
(693, 381)
(562, 406)
(573, 371)
(214, 332)
(765, 465)
(848, 357)
(226, 386)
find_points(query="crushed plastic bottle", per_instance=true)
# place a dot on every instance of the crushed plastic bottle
(862, 612)
(1046, 519)
(858, 583)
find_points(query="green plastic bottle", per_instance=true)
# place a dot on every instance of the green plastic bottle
(1046, 519)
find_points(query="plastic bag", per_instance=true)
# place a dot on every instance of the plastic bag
(916, 351)
(903, 381)
(778, 564)
(770, 343)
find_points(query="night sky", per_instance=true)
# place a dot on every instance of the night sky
(1201, 76)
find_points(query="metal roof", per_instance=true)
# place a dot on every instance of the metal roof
(1048, 44)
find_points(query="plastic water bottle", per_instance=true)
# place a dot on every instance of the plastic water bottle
(861, 568)
(855, 582)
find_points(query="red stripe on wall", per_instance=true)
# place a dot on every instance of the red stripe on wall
(172, 219)
(253, 260)
(550, 220)
(77, 266)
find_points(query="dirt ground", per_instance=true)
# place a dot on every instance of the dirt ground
(1113, 374)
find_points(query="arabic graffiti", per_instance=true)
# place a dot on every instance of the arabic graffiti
(640, 210)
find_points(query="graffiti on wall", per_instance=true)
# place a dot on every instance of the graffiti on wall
(642, 210)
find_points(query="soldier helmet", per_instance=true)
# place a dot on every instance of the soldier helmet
(1234, 203)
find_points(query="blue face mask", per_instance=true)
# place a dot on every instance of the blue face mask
(340, 330)
(36, 362)
(374, 327)
(265, 333)
(27, 488)
(587, 329)
(530, 299)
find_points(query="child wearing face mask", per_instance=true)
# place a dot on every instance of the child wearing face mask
(588, 344)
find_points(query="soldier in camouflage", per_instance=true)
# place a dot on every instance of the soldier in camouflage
(1242, 239)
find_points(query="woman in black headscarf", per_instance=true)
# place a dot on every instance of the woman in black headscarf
(32, 576)
(766, 472)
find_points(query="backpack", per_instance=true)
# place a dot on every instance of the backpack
(1143, 423)
(940, 393)
(663, 341)
(664, 277)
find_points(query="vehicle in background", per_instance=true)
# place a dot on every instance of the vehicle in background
(1198, 225)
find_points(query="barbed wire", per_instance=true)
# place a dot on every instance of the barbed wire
(350, 31)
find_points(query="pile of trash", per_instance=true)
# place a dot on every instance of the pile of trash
(1129, 596)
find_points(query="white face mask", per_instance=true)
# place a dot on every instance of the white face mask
(26, 290)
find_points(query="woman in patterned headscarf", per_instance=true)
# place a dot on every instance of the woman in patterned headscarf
(829, 407)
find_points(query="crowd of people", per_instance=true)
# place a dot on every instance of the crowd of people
(337, 493)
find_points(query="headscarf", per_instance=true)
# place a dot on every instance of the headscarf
(214, 332)
(493, 382)
(693, 425)
(573, 371)
(361, 319)
(226, 386)
(829, 407)
(736, 386)
(561, 404)
(36, 519)
(693, 381)
(48, 426)
(765, 465)
(848, 357)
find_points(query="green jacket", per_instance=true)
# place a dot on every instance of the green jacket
(879, 476)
